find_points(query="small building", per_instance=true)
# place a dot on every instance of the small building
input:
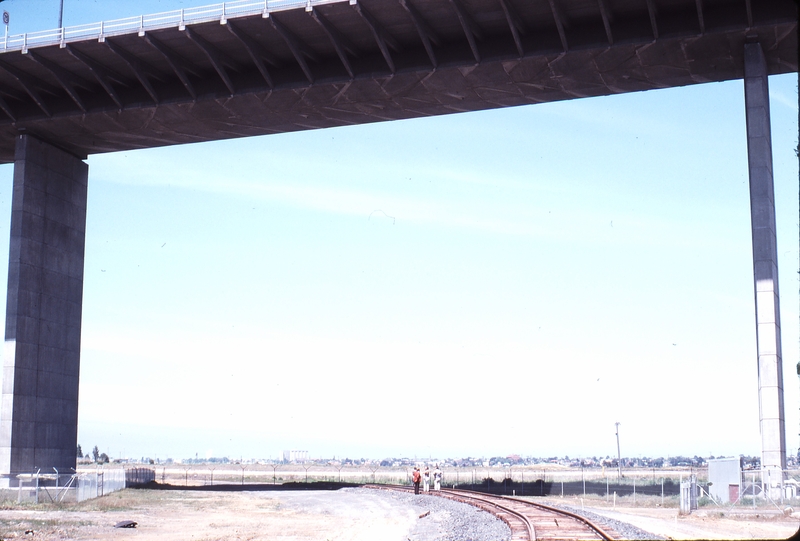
(295, 456)
(725, 479)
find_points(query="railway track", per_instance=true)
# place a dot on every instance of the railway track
(528, 521)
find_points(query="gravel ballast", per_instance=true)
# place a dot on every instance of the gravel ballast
(447, 520)
(415, 517)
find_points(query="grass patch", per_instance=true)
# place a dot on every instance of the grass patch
(41, 528)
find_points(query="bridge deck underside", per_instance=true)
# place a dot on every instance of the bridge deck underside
(343, 63)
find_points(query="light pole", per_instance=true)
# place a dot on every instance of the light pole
(619, 456)
(60, 13)
(6, 19)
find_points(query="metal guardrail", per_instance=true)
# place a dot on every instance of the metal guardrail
(179, 18)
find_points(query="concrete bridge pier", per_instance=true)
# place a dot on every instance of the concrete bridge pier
(765, 270)
(41, 356)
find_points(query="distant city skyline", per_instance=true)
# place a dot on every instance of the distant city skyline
(479, 284)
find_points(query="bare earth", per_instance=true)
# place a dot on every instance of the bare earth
(188, 515)
(707, 523)
(343, 515)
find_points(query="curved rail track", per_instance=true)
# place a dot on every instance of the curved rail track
(528, 521)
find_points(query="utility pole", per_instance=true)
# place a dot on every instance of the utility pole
(619, 456)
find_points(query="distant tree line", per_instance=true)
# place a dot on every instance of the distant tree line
(97, 456)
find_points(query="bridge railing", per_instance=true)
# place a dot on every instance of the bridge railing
(179, 18)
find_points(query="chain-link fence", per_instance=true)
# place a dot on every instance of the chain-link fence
(99, 483)
(42, 487)
(756, 489)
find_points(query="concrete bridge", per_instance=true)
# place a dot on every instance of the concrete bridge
(261, 67)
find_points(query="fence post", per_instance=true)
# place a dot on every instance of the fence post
(583, 478)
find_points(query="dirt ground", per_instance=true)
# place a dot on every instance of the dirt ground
(706, 523)
(201, 516)
(317, 516)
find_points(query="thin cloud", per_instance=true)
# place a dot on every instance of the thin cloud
(542, 208)
(779, 97)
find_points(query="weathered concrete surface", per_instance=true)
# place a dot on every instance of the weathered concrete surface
(765, 266)
(41, 358)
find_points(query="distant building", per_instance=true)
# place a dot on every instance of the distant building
(295, 456)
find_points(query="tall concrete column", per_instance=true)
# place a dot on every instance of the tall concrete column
(765, 266)
(41, 357)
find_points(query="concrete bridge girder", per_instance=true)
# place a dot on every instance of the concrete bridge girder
(206, 81)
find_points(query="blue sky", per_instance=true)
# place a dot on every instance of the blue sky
(398, 288)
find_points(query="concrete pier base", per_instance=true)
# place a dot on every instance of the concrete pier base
(41, 357)
(765, 269)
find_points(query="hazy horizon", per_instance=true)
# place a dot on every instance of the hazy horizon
(477, 284)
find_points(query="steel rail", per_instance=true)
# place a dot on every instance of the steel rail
(525, 520)
(529, 530)
(602, 533)
(490, 499)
